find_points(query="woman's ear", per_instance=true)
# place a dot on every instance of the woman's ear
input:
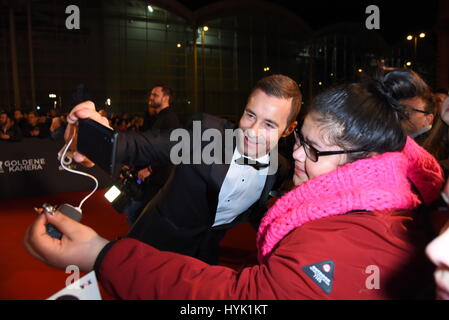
(289, 129)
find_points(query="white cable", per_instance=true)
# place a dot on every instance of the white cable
(78, 172)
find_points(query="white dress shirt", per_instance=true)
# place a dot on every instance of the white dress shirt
(241, 188)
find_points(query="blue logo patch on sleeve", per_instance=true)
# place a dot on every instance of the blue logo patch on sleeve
(322, 273)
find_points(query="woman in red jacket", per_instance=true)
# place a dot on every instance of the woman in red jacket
(349, 230)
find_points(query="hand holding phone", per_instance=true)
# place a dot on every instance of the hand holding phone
(98, 143)
(96, 137)
(86, 110)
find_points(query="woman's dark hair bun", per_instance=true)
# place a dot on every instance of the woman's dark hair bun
(384, 92)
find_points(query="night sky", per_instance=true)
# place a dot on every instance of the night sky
(397, 18)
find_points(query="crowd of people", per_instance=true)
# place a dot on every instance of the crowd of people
(20, 124)
(369, 163)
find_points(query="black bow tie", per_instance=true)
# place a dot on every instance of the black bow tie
(253, 163)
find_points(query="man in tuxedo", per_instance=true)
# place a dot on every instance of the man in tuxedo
(201, 200)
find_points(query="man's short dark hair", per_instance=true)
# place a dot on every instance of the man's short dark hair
(280, 86)
(8, 115)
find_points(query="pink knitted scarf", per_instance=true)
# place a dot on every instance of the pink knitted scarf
(376, 183)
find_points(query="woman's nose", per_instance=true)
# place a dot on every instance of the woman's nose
(299, 153)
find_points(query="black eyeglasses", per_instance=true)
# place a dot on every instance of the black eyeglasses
(312, 153)
(408, 110)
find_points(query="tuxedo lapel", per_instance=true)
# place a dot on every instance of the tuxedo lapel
(217, 175)
(271, 179)
(218, 172)
(254, 209)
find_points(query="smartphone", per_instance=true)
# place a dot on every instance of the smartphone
(98, 143)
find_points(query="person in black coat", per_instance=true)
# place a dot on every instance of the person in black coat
(153, 178)
(9, 131)
(219, 182)
(35, 129)
(160, 114)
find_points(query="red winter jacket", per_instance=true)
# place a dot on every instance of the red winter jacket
(354, 256)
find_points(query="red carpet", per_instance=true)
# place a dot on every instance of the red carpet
(21, 275)
(24, 277)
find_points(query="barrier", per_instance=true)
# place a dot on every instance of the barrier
(31, 168)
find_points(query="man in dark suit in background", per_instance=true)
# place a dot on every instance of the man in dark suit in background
(201, 200)
(160, 116)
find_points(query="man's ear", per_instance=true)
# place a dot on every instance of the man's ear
(289, 129)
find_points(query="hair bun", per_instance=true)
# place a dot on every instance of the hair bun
(386, 93)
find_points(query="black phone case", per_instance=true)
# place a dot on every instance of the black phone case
(98, 143)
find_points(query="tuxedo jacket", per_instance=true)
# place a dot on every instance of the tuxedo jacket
(180, 217)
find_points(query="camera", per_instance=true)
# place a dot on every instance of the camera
(127, 188)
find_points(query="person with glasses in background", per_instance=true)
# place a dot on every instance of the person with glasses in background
(418, 100)
(420, 120)
(437, 143)
(348, 230)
